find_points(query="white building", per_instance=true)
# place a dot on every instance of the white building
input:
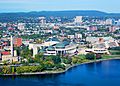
(109, 21)
(71, 36)
(53, 47)
(97, 39)
(12, 56)
(21, 26)
(78, 19)
(77, 35)
(102, 42)
(97, 50)
(42, 20)
(118, 22)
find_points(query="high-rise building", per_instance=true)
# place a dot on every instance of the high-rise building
(77, 35)
(78, 20)
(42, 20)
(110, 21)
(21, 26)
(118, 22)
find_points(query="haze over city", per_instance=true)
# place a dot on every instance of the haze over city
(110, 6)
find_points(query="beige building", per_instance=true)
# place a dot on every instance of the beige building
(9, 58)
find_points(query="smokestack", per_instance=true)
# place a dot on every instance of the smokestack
(12, 52)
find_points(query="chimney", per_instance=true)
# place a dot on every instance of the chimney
(12, 52)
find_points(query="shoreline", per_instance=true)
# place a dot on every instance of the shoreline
(59, 72)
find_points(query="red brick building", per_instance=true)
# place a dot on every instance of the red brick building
(17, 42)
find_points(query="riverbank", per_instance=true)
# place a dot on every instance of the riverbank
(59, 72)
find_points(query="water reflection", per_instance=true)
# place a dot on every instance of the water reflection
(105, 73)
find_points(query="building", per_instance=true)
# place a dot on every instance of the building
(17, 42)
(118, 22)
(42, 20)
(71, 36)
(77, 35)
(21, 26)
(112, 29)
(102, 42)
(49, 42)
(53, 46)
(9, 55)
(92, 28)
(97, 50)
(78, 20)
(110, 21)
(97, 39)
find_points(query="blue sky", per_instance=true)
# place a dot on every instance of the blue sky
(54, 5)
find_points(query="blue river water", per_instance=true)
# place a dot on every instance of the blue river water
(104, 73)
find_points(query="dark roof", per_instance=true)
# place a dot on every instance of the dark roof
(53, 39)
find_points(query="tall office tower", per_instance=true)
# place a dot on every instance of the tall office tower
(42, 20)
(12, 52)
(78, 19)
(21, 26)
(118, 23)
(110, 21)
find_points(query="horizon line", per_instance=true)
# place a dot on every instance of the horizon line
(52, 11)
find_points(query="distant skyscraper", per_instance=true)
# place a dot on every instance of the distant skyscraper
(21, 26)
(118, 22)
(110, 21)
(78, 20)
(42, 20)
(77, 35)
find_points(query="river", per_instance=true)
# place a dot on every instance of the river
(104, 73)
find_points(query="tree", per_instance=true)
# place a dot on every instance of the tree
(66, 60)
(28, 69)
(26, 53)
(39, 57)
(90, 56)
(60, 66)
(48, 64)
(6, 70)
(74, 60)
(56, 59)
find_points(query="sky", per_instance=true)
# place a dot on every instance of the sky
(110, 6)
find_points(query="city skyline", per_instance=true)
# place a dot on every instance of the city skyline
(58, 5)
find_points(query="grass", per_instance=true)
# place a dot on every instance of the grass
(114, 52)
(107, 56)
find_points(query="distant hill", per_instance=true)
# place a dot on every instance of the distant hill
(55, 13)
(69, 14)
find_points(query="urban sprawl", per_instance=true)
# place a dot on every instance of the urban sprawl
(23, 42)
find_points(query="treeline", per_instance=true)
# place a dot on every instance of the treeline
(41, 63)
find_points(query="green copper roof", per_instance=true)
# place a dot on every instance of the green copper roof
(41, 51)
(52, 39)
(60, 45)
(50, 48)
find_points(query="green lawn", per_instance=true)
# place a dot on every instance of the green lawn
(114, 52)
(107, 56)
